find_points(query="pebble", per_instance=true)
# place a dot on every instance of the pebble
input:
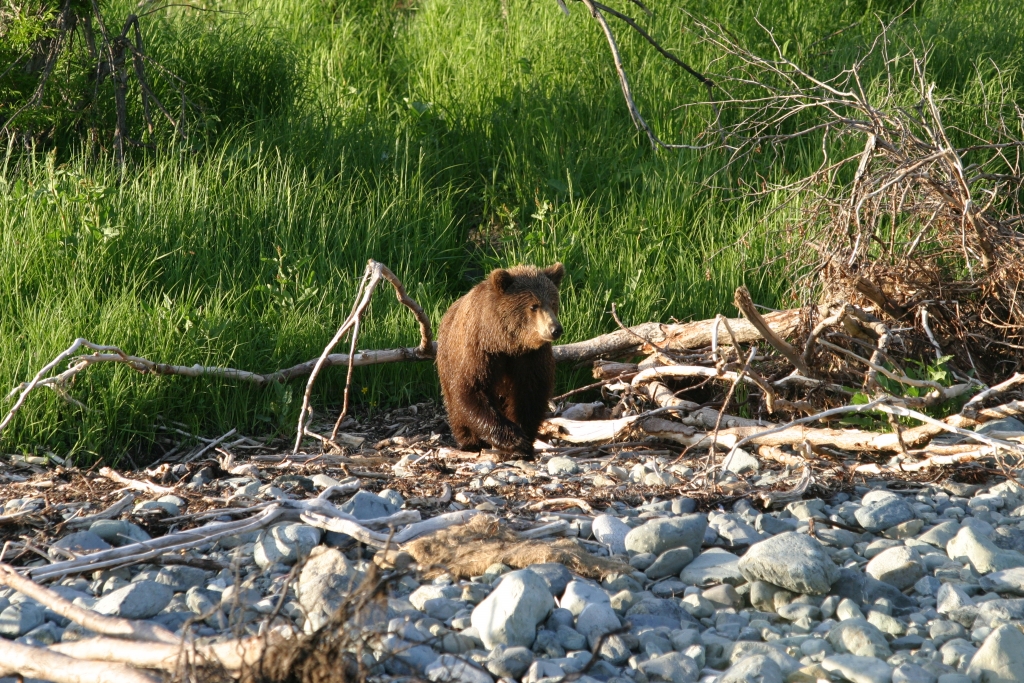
(858, 669)
(285, 544)
(511, 613)
(753, 669)
(119, 532)
(611, 531)
(899, 566)
(714, 565)
(792, 561)
(884, 514)
(452, 669)
(669, 563)
(562, 466)
(982, 553)
(138, 600)
(660, 535)
(859, 637)
(324, 582)
(1000, 657)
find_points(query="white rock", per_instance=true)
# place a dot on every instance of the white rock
(452, 669)
(985, 555)
(596, 620)
(753, 669)
(510, 614)
(792, 561)
(900, 566)
(580, 594)
(324, 582)
(858, 669)
(1000, 658)
(612, 532)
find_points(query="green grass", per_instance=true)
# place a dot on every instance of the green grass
(337, 131)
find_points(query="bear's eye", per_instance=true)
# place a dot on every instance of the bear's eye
(535, 307)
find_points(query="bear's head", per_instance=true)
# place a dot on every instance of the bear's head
(528, 304)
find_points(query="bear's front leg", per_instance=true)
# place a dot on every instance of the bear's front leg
(477, 412)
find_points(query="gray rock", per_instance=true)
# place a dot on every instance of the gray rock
(792, 561)
(1008, 538)
(612, 532)
(119, 532)
(511, 613)
(614, 650)
(18, 619)
(745, 648)
(674, 667)
(139, 600)
(900, 567)
(941, 534)
(683, 505)
(941, 632)
(957, 653)
(864, 590)
(367, 505)
(885, 514)
(1000, 658)
(404, 657)
(642, 561)
(858, 637)
(324, 582)
(995, 613)
(773, 525)
(180, 578)
(581, 593)
(927, 585)
(734, 531)
(452, 669)
(983, 554)
(509, 662)
(837, 538)
(741, 462)
(596, 620)
(556, 576)
(911, 673)
(669, 563)
(858, 669)
(541, 669)
(660, 535)
(285, 544)
(655, 612)
(562, 466)
(1004, 424)
(714, 565)
(1005, 581)
(805, 509)
(753, 669)
(951, 597)
(79, 543)
(392, 496)
(570, 639)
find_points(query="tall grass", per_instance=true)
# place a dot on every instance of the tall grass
(443, 139)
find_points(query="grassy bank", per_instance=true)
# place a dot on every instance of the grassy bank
(442, 138)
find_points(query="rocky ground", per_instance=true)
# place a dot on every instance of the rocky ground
(871, 581)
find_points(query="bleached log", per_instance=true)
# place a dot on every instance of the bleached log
(231, 654)
(144, 486)
(139, 552)
(98, 623)
(40, 663)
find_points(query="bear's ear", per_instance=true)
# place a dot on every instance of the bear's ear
(501, 280)
(555, 273)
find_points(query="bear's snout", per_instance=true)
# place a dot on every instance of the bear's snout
(556, 331)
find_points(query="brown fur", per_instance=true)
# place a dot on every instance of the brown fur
(469, 549)
(494, 358)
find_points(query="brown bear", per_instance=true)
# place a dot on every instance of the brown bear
(494, 358)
